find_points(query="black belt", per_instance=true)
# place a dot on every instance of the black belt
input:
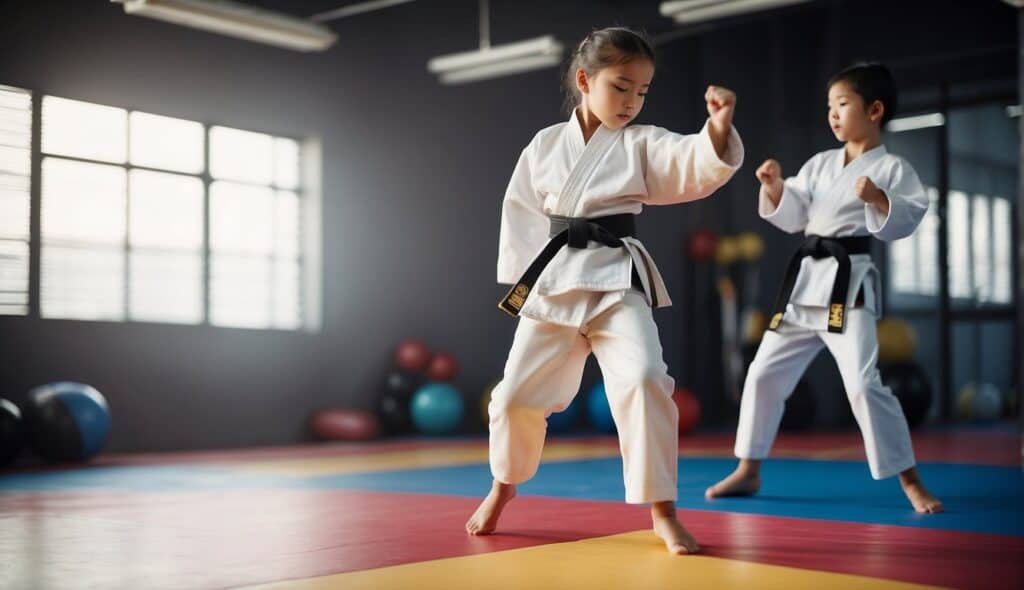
(574, 232)
(819, 247)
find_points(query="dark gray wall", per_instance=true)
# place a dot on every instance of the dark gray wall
(413, 177)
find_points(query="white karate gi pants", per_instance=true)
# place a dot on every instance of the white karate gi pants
(781, 360)
(543, 373)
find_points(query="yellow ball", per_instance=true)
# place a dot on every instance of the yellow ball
(727, 251)
(751, 246)
(486, 401)
(896, 341)
(754, 325)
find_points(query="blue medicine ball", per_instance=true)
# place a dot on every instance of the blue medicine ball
(564, 421)
(598, 410)
(66, 421)
(436, 408)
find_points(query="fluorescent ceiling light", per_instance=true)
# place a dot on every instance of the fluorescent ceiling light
(695, 11)
(502, 68)
(501, 60)
(491, 62)
(237, 20)
(916, 122)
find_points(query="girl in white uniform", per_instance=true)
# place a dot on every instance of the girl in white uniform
(831, 295)
(583, 282)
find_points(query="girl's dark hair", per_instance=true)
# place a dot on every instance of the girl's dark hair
(872, 81)
(600, 49)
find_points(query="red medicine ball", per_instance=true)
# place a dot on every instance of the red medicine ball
(412, 355)
(443, 367)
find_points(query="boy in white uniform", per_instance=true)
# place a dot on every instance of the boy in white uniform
(831, 294)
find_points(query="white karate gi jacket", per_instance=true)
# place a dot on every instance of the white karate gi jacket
(617, 171)
(820, 200)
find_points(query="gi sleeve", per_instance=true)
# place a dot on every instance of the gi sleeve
(524, 227)
(790, 215)
(908, 203)
(682, 168)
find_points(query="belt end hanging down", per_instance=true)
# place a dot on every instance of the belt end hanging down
(836, 318)
(514, 300)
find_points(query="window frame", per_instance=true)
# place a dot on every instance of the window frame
(307, 249)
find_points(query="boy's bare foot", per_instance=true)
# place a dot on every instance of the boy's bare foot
(920, 498)
(485, 519)
(677, 539)
(745, 481)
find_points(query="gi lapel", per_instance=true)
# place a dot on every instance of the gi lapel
(592, 154)
(841, 188)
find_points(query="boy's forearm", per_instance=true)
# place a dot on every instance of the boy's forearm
(773, 192)
(882, 203)
(719, 137)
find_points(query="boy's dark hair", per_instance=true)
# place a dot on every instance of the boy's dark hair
(600, 49)
(872, 81)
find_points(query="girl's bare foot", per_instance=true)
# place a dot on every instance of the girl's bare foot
(920, 498)
(677, 539)
(485, 519)
(745, 481)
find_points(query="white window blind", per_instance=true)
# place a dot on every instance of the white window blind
(980, 251)
(914, 259)
(15, 198)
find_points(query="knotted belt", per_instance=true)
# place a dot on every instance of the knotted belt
(574, 232)
(818, 247)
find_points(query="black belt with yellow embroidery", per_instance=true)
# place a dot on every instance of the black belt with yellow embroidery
(574, 232)
(819, 247)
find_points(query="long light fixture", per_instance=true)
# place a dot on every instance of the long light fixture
(696, 11)
(915, 122)
(237, 20)
(500, 60)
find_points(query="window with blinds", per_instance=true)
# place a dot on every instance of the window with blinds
(150, 218)
(15, 198)
(980, 250)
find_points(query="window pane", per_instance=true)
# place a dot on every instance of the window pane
(287, 279)
(13, 277)
(165, 142)
(82, 283)
(166, 210)
(241, 219)
(15, 171)
(286, 163)
(927, 236)
(166, 287)
(959, 246)
(14, 206)
(1002, 258)
(286, 224)
(83, 202)
(84, 130)
(902, 257)
(981, 248)
(240, 291)
(15, 117)
(15, 160)
(241, 155)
